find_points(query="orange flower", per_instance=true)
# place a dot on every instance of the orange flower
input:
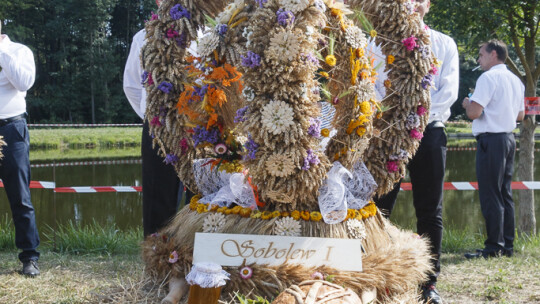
(360, 53)
(390, 59)
(387, 83)
(285, 214)
(305, 215)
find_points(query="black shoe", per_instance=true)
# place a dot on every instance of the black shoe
(485, 254)
(476, 255)
(30, 269)
(508, 252)
(430, 294)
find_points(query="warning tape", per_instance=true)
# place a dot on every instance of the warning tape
(83, 125)
(460, 186)
(36, 185)
(473, 149)
(89, 163)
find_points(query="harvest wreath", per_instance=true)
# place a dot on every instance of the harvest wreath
(240, 122)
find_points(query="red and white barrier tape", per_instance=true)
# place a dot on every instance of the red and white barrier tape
(36, 185)
(473, 149)
(89, 163)
(460, 186)
(83, 125)
(97, 189)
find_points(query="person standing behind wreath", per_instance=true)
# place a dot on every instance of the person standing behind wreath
(17, 75)
(494, 107)
(427, 167)
(162, 189)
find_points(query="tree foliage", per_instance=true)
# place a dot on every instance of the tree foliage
(80, 48)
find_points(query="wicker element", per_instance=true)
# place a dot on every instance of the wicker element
(311, 292)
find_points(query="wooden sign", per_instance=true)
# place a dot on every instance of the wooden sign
(233, 249)
(532, 105)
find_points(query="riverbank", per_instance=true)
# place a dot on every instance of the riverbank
(103, 265)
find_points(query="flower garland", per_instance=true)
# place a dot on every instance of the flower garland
(314, 216)
(278, 69)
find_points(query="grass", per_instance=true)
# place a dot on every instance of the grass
(82, 138)
(94, 264)
(78, 154)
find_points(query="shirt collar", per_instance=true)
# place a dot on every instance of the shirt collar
(6, 39)
(499, 66)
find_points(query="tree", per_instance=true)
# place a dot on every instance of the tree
(517, 22)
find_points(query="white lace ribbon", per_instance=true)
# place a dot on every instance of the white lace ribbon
(207, 275)
(343, 189)
(221, 188)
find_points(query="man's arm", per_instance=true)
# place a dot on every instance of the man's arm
(472, 108)
(132, 76)
(19, 67)
(521, 115)
(448, 86)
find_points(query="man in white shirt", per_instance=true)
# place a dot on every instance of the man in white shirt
(162, 189)
(427, 167)
(497, 102)
(17, 75)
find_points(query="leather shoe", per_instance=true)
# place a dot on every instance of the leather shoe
(30, 268)
(430, 294)
(475, 255)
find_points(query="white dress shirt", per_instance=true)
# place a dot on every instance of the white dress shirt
(446, 82)
(17, 76)
(502, 95)
(133, 87)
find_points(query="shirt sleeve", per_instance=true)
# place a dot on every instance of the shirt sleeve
(521, 100)
(447, 91)
(132, 77)
(483, 92)
(19, 67)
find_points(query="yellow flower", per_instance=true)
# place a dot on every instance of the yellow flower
(364, 213)
(351, 213)
(227, 211)
(360, 53)
(387, 83)
(276, 214)
(221, 210)
(194, 201)
(201, 208)
(305, 215)
(325, 132)
(245, 212)
(193, 206)
(213, 207)
(373, 33)
(315, 216)
(365, 107)
(295, 215)
(236, 209)
(266, 215)
(324, 74)
(390, 59)
(361, 131)
(364, 75)
(331, 60)
(285, 214)
(256, 214)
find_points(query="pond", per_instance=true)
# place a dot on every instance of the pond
(461, 208)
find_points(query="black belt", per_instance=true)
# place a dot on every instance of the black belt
(435, 124)
(489, 134)
(5, 121)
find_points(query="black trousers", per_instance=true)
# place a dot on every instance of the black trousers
(426, 170)
(15, 173)
(162, 189)
(494, 169)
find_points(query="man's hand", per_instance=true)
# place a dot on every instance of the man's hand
(466, 102)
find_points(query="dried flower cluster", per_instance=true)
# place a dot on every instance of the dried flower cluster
(279, 71)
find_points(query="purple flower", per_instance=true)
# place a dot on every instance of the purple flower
(222, 29)
(251, 60)
(261, 2)
(412, 122)
(309, 58)
(284, 17)
(203, 135)
(184, 146)
(181, 41)
(311, 159)
(144, 77)
(171, 159)
(315, 127)
(427, 81)
(199, 91)
(165, 87)
(241, 115)
(178, 11)
(251, 147)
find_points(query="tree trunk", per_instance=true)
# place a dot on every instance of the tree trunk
(527, 219)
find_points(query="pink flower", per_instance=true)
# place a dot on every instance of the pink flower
(416, 135)
(150, 79)
(172, 33)
(154, 17)
(317, 276)
(434, 70)
(184, 146)
(421, 110)
(173, 257)
(392, 166)
(410, 43)
(155, 121)
(246, 272)
(155, 234)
